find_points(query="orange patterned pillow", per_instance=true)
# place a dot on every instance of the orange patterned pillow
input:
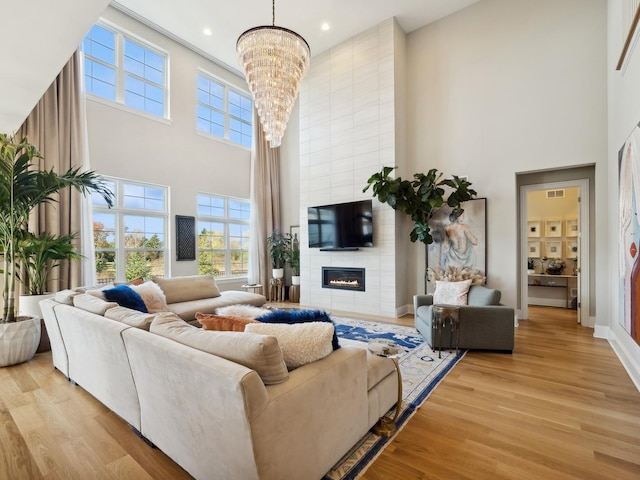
(222, 323)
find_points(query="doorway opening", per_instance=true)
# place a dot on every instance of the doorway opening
(554, 220)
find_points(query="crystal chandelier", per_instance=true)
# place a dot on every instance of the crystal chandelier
(274, 60)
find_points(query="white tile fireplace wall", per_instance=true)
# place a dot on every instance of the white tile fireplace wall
(347, 133)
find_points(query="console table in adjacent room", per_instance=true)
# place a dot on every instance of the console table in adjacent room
(552, 281)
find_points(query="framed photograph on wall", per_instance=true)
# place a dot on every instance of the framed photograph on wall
(459, 247)
(553, 249)
(533, 250)
(534, 228)
(571, 249)
(294, 231)
(553, 228)
(571, 227)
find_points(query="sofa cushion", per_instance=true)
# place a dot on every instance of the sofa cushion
(187, 310)
(130, 317)
(222, 323)
(300, 316)
(301, 343)
(187, 288)
(152, 296)
(479, 295)
(92, 304)
(257, 352)
(451, 293)
(125, 296)
(65, 296)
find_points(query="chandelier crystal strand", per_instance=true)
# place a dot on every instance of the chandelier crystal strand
(274, 60)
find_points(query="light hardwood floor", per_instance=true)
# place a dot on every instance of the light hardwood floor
(560, 407)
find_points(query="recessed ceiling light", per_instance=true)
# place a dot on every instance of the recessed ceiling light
(325, 26)
(207, 31)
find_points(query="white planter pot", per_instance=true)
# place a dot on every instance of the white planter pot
(295, 279)
(278, 272)
(30, 305)
(19, 341)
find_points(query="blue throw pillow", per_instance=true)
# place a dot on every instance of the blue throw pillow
(300, 316)
(125, 296)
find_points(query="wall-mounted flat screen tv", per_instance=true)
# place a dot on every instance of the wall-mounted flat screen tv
(341, 226)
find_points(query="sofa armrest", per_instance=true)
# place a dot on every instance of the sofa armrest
(422, 300)
(487, 327)
(323, 403)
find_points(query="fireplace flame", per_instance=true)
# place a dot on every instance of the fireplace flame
(345, 283)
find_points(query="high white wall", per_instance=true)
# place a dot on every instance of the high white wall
(128, 145)
(504, 87)
(624, 115)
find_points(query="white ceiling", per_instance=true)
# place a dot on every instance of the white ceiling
(227, 20)
(36, 49)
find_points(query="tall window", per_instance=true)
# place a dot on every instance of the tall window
(223, 112)
(125, 70)
(130, 238)
(223, 236)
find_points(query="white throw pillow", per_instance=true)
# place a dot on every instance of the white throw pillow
(242, 311)
(451, 293)
(301, 343)
(152, 296)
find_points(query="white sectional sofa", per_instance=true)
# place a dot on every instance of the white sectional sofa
(220, 404)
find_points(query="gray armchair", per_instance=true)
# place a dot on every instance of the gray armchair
(485, 324)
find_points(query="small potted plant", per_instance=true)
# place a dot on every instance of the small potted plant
(293, 260)
(531, 266)
(279, 244)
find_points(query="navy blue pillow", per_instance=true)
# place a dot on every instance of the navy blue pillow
(300, 316)
(125, 296)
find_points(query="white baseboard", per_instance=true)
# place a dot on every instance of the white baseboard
(629, 361)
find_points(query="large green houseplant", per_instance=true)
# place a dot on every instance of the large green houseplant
(22, 188)
(279, 244)
(420, 197)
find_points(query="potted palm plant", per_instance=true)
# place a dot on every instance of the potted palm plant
(278, 244)
(22, 188)
(39, 255)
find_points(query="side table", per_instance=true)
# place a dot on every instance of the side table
(276, 290)
(294, 293)
(255, 287)
(441, 315)
(385, 427)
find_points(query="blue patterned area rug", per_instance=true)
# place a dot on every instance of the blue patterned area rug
(421, 370)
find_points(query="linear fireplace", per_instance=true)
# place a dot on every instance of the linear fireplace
(343, 278)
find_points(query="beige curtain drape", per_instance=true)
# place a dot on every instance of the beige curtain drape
(265, 204)
(56, 127)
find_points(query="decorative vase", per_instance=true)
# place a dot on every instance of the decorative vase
(19, 340)
(295, 279)
(30, 305)
(278, 273)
